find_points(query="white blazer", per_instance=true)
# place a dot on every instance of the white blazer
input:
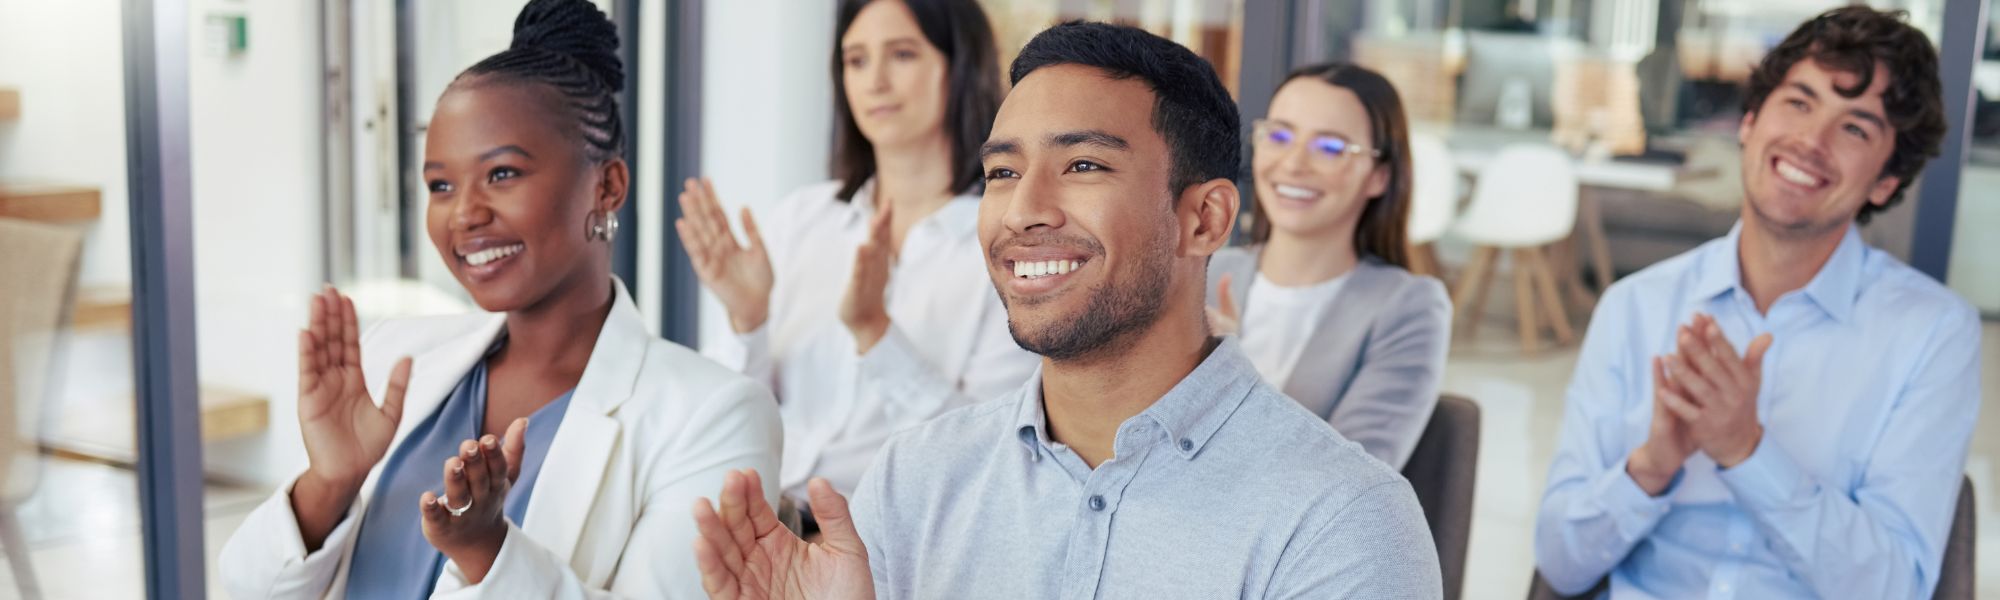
(652, 426)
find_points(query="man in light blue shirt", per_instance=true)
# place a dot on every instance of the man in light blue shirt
(1144, 459)
(1783, 412)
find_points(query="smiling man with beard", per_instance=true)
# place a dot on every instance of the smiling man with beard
(1144, 458)
(1783, 412)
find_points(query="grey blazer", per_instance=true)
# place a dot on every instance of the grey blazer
(1374, 366)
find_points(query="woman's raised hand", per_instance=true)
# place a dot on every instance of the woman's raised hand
(346, 433)
(739, 275)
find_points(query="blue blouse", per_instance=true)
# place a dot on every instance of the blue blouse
(391, 558)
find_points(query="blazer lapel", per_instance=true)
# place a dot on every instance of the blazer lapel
(433, 374)
(1330, 356)
(578, 457)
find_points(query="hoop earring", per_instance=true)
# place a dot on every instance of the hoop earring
(602, 226)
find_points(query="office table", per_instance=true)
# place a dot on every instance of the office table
(1473, 148)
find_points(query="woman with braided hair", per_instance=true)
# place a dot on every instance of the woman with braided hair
(546, 449)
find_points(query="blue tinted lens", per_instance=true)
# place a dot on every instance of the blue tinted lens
(1279, 136)
(1330, 146)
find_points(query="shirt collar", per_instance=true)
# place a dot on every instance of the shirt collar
(1832, 289)
(1720, 271)
(959, 218)
(1838, 281)
(1190, 413)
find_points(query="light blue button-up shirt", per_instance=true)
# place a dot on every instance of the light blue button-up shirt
(1224, 488)
(1869, 394)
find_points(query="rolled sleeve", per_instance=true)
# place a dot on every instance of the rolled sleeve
(746, 353)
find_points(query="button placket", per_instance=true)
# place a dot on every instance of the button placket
(1090, 537)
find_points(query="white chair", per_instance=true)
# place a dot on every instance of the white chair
(39, 264)
(1525, 200)
(1433, 200)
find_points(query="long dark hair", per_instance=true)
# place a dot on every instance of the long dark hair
(1383, 230)
(957, 28)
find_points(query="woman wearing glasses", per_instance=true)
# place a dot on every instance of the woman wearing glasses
(1322, 298)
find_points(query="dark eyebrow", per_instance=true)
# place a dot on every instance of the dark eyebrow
(1088, 137)
(1805, 89)
(1872, 118)
(998, 147)
(489, 155)
(1876, 120)
(507, 149)
(856, 46)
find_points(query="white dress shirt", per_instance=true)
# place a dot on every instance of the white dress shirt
(947, 345)
(1279, 320)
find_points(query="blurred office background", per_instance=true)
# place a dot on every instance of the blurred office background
(296, 127)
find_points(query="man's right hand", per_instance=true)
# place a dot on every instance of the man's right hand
(745, 553)
(1668, 443)
(345, 432)
(739, 275)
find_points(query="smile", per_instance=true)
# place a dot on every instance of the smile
(1293, 192)
(1045, 268)
(1796, 175)
(490, 255)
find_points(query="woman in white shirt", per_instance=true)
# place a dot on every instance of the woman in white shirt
(1329, 311)
(546, 449)
(870, 309)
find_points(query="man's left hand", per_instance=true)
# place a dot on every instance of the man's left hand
(1722, 388)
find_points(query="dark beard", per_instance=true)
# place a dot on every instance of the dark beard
(1107, 322)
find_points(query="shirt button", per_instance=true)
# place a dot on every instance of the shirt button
(1186, 445)
(1097, 503)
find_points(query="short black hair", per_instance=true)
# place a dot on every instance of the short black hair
(1191, 108)
(572, 47)
(1854, 39)
(959, 30)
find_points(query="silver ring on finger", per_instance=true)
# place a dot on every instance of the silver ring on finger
(446, 503)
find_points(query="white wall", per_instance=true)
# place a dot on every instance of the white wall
(67, 58)
(767, 107)
(256, 127)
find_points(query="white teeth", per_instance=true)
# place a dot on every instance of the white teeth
(1794, 175)
(1296, 193)
(492, 254)
(1045, 268)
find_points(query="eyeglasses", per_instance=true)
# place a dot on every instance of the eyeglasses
(1323, 149)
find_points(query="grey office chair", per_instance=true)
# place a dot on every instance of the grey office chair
(1955, 574)
(39, 265)
(1442, 470)
(1955, 581)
